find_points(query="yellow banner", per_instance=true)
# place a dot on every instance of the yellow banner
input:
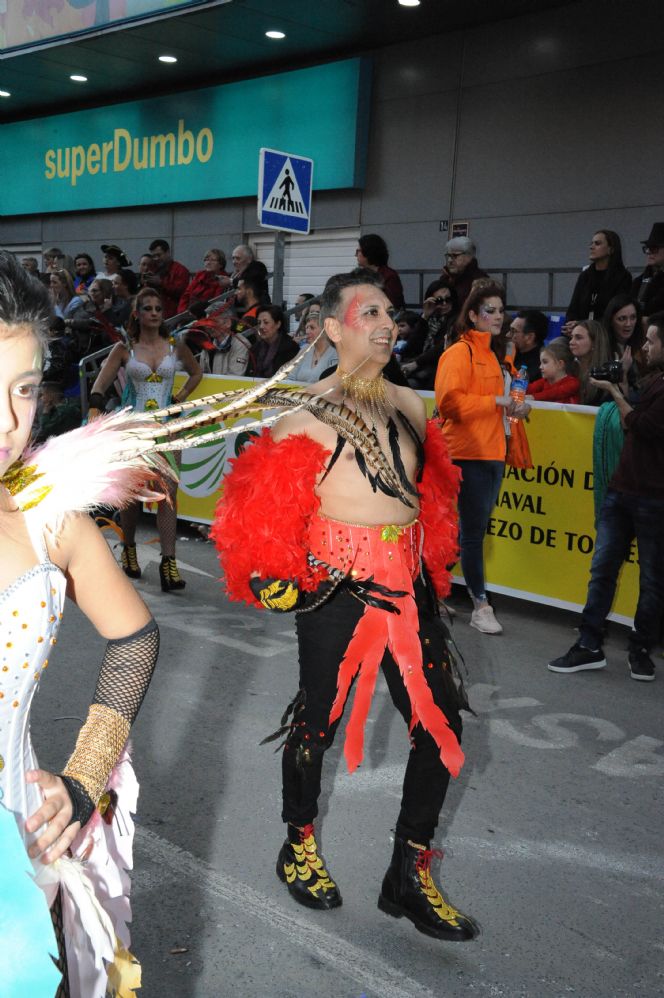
(203, 468)
(541, 535)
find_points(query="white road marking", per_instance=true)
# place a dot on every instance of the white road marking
(484, 698)
(268, 649)
(182, 619)
(559, 736)
(553, 725)
(645, 868)
(639, 757)
(505, 729)
(149, 554)
(347, 959)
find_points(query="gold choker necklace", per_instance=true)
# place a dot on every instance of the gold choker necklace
(370, 392)
(363, 389)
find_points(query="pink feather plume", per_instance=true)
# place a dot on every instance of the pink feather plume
(101, 464)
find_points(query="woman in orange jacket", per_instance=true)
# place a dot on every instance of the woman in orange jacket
(473, 401)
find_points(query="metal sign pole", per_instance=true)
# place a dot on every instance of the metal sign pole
(278, 268)
(285, 184)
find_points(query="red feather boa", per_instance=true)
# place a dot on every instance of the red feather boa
(438, 490)
(262, 517)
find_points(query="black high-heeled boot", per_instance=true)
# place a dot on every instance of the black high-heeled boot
(129, 561)
(408, 889)
(169, 575)
(303, 871)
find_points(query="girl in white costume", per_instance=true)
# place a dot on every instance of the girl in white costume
(70, 822)
(150, 362)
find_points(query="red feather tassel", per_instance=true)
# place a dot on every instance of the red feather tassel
(439, 489)
(399, 632)
(406, 650)
(364, 654)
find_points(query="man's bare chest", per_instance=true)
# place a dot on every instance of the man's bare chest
(390, 465)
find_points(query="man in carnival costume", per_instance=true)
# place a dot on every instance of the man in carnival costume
(364, 592)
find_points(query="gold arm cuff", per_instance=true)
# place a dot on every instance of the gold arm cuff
(98, 747)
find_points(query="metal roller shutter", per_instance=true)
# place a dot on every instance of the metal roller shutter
(310, 260)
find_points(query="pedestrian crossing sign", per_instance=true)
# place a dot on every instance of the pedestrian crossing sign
(284, 191)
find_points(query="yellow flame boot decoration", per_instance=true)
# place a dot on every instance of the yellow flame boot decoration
(169, 576)
(409, 890)
(129, 561)
(303, 871)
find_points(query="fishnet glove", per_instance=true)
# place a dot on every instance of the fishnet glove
(121, 685)
(126, 671)
(82, 806)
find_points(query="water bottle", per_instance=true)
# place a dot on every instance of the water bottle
(519, 389)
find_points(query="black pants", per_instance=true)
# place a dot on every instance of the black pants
(323, 636)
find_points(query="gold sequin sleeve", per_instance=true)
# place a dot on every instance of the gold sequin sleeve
(122, 683)
(98, 747)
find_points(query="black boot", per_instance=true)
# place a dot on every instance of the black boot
(303, 871)
(408, 889)
(129, 561)
(169, 575)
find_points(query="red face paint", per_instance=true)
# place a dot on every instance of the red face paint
(352, 313)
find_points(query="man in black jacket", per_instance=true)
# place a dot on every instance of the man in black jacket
(528, 331)
(633, 507)
(245, 265)
(427, 341)
(461, 267)
(648, 287)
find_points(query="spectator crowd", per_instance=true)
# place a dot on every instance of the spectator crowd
(461, 343)
(244, 333)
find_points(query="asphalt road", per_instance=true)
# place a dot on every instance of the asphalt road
(552, 834)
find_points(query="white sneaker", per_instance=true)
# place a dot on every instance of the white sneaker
(484, 620)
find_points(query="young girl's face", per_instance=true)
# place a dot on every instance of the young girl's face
(20, 374)
(552, 369)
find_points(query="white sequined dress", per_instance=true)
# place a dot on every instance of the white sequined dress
(94, 887)
(152, 390)
(30, 614)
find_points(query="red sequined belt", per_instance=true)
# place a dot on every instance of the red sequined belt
(391, 556)
(362, 551)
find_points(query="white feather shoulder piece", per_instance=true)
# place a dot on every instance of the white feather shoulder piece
(104, 463)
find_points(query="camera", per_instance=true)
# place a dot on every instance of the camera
(611, 371)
